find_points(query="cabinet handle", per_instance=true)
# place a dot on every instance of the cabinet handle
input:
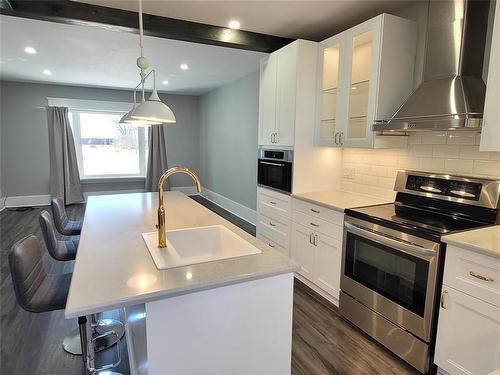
(272, 224)
(311, 239)
(272, 137)
(340, 138)
(275, 137)
(272, 202)
(314, 224)
(481, 277)
(315, 240)
(444, 299)
(270, 245)
(336, 138)
(315, 211)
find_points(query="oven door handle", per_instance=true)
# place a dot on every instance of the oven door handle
(388, 241)
(269, 163)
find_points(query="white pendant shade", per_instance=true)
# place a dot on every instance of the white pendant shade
(153, 110)
(127, 119)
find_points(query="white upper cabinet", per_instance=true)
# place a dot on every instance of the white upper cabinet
(490, 134)
(281, 73)
(364, 74)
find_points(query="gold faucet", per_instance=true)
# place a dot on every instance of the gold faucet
(162, 234)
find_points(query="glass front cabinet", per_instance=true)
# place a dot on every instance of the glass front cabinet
(365, 74)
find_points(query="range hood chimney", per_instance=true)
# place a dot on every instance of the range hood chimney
(451, 96)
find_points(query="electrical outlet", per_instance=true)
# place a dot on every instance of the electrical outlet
(349, 173)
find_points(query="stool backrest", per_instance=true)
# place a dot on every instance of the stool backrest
(60, 216)
(49, 233)
(27, 269)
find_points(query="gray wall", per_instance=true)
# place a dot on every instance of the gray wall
(228, 136)
(24, 140)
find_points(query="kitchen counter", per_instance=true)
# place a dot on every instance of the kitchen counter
(114, 268)
(339, 200)
(484, 240)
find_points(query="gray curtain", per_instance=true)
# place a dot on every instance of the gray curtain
(64, 176)
(157, 157)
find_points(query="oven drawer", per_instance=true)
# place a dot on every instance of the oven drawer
(318, 225)
(285, 250)
(272, 203)
(318, 211)
(473, 273)
(276, 228)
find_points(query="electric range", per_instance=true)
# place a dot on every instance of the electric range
(393, 257)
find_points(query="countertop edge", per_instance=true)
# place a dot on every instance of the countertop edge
(471, 247)
(163, 294)
(319, 203)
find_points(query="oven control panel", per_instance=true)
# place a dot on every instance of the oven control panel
(443, 187)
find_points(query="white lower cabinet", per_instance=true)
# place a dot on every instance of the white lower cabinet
(302, 249)
(468, 337)
(316, 244)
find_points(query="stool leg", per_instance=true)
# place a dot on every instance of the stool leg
(85, 340)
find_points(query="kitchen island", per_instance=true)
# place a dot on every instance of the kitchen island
(222, 317)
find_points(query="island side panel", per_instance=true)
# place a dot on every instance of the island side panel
(244, 328)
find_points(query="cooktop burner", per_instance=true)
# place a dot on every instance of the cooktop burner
(415, 218)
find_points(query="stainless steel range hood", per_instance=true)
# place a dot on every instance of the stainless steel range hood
(451, 96)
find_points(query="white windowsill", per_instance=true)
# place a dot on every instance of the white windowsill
(107, 179)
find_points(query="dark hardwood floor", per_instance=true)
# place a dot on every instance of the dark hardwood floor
(323, 342)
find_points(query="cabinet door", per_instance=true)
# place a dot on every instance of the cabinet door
(268, 76)
(329, 87)
(468, 336)
(302, 251)
(362, 59)
(286, 86)
(327, 260)
(490, 135)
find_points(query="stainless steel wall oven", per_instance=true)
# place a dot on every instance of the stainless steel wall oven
(275, 169)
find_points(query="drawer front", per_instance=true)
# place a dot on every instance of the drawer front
(276, 228)
(285, 250)
(271, 203)
(318, 225)
(473, 273)
(319, 212)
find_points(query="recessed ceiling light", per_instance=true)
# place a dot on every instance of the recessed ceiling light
(184, 66)
(234, 24)
(29, 50)
(47, 72)
(164, 82)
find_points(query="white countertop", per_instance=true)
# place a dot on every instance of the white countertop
(113, 267)
(483, 240)
(339, 200)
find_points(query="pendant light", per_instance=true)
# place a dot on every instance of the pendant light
(152, 111)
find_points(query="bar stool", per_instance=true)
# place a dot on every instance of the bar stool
(64, 250)
(38, 291)
(64, 225)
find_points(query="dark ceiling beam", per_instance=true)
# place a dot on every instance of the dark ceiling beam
(76, 13)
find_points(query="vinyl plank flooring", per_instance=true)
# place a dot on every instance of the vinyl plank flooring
(323, 342)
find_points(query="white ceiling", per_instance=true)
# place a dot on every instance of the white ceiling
(314, 20)
(91, 56)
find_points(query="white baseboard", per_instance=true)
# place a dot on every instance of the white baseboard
(109, 192)
(2, 203)
(235, 208)
(27, 200)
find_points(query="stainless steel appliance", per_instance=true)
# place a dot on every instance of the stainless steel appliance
(452, 93)
(275, 169)
(393, 257)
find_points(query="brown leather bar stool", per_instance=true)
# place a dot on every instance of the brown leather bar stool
(64, 225)
(38, 291)
(64, 250)
(58, 249)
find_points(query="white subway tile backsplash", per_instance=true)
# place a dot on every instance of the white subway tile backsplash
(451, 152)
(434, 138)
(445, 151)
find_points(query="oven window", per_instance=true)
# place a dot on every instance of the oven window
(277, 174)
(398, 276)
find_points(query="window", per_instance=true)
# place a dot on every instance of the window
(106, 148)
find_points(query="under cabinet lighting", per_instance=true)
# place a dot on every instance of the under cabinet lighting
(164, 82)
(29, 50)
(234, 24)
(47, 72)
(184, 66)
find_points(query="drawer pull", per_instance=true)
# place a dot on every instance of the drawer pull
(315, 211)
(272, 224)
(271, 245)
(444, 299)
(314, 224)
(272, 202)
(481, 277)
(311, 238)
